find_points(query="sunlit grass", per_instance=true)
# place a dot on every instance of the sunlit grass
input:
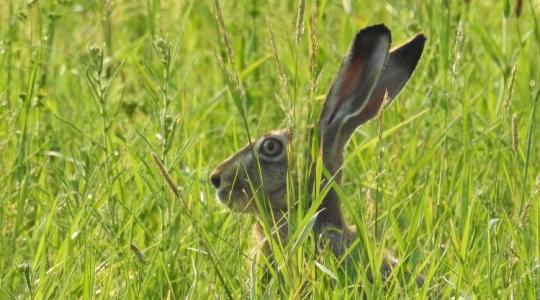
(102, 101)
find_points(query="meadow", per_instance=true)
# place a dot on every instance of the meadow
(114, 113)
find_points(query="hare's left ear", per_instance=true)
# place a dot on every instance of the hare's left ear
(366, 75)
(401, 64)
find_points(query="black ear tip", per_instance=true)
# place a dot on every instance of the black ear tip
(373, 31)
(377, 28)
(419, 39)
(418, 42)
(412, 50)
(368, 38)
(420, 36)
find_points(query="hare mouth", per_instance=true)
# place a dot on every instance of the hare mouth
(223, 193)
(229, 193)
(239, 201)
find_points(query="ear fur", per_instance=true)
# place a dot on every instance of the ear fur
(353, 86)
(368, 72)
(401, 64)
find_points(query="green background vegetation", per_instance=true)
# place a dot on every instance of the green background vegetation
(90, 89)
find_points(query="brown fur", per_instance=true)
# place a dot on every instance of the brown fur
(367, 74)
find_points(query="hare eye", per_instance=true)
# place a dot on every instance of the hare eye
(271, 147)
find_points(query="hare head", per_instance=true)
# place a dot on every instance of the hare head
(369, 74)
(261, 166)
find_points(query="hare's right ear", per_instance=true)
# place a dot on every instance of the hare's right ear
(361, 84)
(353, 86)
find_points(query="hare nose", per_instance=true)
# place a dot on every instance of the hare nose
(215, 179)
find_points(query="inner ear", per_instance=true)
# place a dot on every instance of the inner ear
(401, 63)
(358, 74)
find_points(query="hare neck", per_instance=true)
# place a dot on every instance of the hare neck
(330, 210)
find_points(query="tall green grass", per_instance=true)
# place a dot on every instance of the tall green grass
(113, 113)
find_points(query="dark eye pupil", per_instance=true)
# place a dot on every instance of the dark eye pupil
(271, 147)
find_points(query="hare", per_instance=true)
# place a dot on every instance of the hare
(369, 74)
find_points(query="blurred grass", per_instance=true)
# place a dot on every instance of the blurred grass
(90, 89)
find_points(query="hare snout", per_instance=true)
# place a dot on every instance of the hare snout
(215, 179)
(230, 181)
(222, 183)
(227, 171)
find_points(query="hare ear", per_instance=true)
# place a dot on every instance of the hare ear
(355, 82)
(401, 64)
(362, 82)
